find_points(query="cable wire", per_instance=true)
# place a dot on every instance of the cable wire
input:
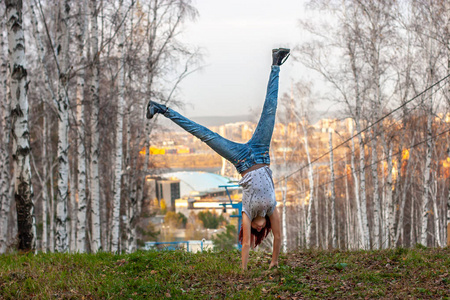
(365, 129)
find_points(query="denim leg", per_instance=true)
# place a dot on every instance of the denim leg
(263, 132)
(229, 150)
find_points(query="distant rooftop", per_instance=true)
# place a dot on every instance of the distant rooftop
(199, 182)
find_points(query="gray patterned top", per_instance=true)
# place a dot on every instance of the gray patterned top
(258, 196)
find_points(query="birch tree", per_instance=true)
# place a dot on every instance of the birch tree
(333, 193)
(283, 213)
(115, 231)
(62, 241)
(5, 175)
(23, 190)
(376, 197)
(44, 186)
(447, 7)
(97, 228)
(82, 24)
(311, 189)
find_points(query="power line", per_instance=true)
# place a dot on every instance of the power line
(377, 134)
(380, 160)
(365, 129)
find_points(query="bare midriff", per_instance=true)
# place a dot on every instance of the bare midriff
(252, 168)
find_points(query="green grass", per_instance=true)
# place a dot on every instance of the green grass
(419, 273)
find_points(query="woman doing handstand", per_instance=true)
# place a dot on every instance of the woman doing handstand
(252, 160)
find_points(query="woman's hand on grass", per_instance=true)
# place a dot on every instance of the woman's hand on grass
(273, 264)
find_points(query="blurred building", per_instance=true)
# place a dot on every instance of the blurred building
(201, 190)
(167, 189)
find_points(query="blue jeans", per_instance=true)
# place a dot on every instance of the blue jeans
(242, 156)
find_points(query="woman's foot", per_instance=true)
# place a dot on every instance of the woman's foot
(279, 56)
(154, 108)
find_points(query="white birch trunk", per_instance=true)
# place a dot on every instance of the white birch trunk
(326, 243)
(300, 218)
(426, 184)
(311, 191)
(115, 231)
(437, 226)
(73, 212)
(412, 236)
(361, 241)
(23, 190)
(133, 212)
(447, 221)
(52, 214)
(63, 125)
(363, 205)
(316, 211)
(348, 224)
(5, 127)
(376, 196)
(81, 151)
(389, 198)
(132, 205)
(284, 223)
(94, 192)
(44, 187)
(448, 215)
(385, 209)
(333, 194)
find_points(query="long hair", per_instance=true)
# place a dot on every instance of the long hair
(258, 237)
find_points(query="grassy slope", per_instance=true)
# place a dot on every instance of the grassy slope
(418, 273)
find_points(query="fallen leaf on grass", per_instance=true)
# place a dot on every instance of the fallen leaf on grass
(153, 272)
(121, 262)
(168, 295)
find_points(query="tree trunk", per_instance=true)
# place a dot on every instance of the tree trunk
(81, 151)
(23, 190)
(333, 195)
(284, 223)
(389, 195)
(348, 223)
(132, 205)
(115, 231)
(405, 189)
(72, 212)
(5, 128)
(361, 241)
(447, 8)
(62, 242)
(363, 204)
(376, 195)
(96, 232)
(426, 183)
(411, 233)
(436, 213)
(44, 186)
(311, 190)
(52, 213)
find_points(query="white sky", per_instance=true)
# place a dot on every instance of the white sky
(237, 37)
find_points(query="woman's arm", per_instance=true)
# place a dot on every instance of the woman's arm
(276, 230)
(246, 227)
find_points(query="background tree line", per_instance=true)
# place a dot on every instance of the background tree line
(85, 70)
(381, 179)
